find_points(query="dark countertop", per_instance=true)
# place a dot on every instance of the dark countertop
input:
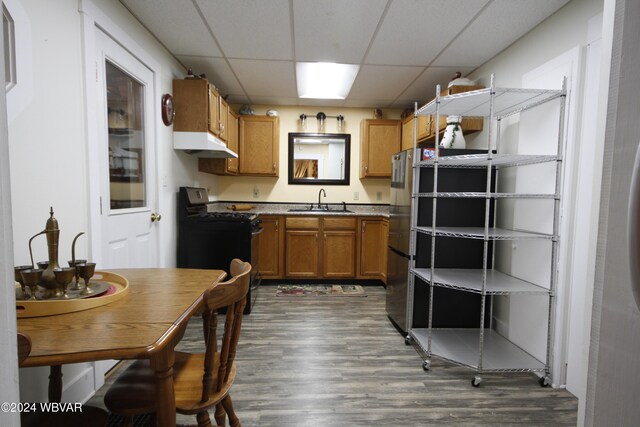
(284, 209)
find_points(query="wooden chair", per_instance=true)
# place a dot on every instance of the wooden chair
(90, 415)
(201, 381)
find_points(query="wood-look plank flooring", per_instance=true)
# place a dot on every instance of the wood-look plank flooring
(338, 361)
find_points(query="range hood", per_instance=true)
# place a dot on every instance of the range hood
(201, 144)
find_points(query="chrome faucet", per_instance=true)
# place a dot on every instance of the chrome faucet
(319, 193)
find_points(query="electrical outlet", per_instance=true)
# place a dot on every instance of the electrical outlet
(379, 195)
(256, 192)
(356, 195)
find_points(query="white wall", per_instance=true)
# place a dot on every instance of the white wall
(570, 29)
(8, 350)
(48, 143)
(240, 188)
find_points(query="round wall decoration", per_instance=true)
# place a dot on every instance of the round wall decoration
(168, 110)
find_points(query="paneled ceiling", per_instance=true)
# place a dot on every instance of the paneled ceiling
(248, 48)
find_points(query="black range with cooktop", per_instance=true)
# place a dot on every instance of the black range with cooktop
(212, 239)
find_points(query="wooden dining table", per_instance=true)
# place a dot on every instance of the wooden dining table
(146, 323)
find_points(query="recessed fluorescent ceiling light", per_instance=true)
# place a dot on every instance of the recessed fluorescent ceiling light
(323, 80)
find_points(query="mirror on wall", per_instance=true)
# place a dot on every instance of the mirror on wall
(319, 158)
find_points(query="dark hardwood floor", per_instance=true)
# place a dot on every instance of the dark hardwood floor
(324, 361)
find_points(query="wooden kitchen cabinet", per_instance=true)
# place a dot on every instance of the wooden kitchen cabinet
(301, 247)
(198, 107)
(339, 247)
(258, 145)
(469, 125)
(271, 247)
(380, 138)
(427, 124)
(228, 166)
(424, 129)
(373, 248)
(320, 247)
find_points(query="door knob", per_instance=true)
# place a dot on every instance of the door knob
(155, 217)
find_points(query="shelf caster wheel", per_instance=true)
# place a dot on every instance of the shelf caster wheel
(426, 365)
(476, 381)
(408, 340)
(544, 381)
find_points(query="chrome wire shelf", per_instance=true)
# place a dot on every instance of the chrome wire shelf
(494, 233)
(483, 195)
(481, 348)
(461, 347)
(482, 160)
(477, 103)
(470, 280)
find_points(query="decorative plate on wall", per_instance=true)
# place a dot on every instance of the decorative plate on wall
(168, 110)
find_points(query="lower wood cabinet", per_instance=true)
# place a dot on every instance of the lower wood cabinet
(320, 247)
(312, 247)
(339, 247)
(374, 234)
(271, 247)
(302, 247)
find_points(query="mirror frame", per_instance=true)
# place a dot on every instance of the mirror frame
(347, 159)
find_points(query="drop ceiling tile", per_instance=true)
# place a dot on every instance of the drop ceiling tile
(266, 78)
(177, 24)
(415, 31)
(273, 100)
(217, 71)
(382, 81)
(320, 102)
(335, 30)
(368, 103)
(423, 88)
(237, 99)
(500, 24)
(250, 29)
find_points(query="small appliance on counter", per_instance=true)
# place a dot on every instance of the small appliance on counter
(212, 239)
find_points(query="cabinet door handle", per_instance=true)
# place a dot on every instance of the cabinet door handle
(364, 226)
(274, 167)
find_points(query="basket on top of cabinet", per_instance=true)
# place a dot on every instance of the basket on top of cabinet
(465, 242)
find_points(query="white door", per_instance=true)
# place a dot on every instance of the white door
(127, 158)
(126, 164)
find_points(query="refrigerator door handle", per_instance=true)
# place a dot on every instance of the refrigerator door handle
(633, 228)
(409, 257)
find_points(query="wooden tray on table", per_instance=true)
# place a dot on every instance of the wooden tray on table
(118, 286)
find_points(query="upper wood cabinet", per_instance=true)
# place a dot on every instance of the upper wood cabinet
(407, 132)
(258, 145)
(427, 124)
(223, 119)
(380, 138)
(198, 107)
(228, 166)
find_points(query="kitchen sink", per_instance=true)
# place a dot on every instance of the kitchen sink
(316, 209)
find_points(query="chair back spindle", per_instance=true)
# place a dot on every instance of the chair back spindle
(232, 296)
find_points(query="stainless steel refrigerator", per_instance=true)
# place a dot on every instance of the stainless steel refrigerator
(399, 235)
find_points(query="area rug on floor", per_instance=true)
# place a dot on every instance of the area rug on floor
(320, 291)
